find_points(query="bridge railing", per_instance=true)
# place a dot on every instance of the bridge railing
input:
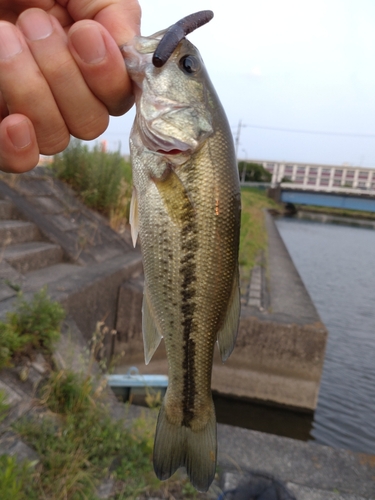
(291, 186)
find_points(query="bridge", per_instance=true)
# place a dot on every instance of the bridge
(341, 186)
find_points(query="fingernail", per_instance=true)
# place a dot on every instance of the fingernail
(35, 24)
(19, 134)
(10, 44)
(89, 44)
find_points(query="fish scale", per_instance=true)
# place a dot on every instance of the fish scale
(186, 209)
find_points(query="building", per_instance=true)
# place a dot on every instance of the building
(320, 177)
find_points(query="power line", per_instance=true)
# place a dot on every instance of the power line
(314, 132)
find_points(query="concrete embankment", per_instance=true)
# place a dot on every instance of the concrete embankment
(281, 341)
(310, 471)
(279, 350)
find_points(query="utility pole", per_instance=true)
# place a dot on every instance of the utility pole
(237, 140)
(236, 145)
(243, 174)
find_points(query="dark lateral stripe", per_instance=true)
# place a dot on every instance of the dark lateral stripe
(189, 245)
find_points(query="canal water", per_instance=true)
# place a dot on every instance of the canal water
(337, 265)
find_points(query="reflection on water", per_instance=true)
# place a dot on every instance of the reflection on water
(259, 416)
(337, 265)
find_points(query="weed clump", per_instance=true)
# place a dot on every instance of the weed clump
(14, 479)
(32, 326)
(80, 444)
(4, 406)
(102, 179)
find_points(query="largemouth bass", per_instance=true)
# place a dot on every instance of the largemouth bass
(186, 208)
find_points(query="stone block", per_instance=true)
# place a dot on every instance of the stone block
(28, 257)
(64, 222)
(91, 293)
(13, 232)
(7, 210)
(33, 186)
(129, 319)
(294, 462)
(10, 444)
(106, 489)
(8, 273)
(273, 361)
(6, 291)
(11, 396)
(48, 204)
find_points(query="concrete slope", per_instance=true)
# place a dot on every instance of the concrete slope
(311, 471)
(23, 250)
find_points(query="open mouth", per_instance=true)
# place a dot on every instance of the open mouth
(171, 152)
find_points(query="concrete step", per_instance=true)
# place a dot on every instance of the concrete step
(27, 257)
(35, 280)
(18, 401)
(7, 210)
(13, 232)
(6, 291)
(11, 444)
(305, 493)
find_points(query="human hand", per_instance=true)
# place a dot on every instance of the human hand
(61, 73)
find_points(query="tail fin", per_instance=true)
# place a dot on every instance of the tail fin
(177, 446)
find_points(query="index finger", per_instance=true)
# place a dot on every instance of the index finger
(122, 18)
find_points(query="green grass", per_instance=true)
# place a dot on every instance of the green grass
(15, 479)
(253, 237)
(32, 326)
(77, 441)
(101, 179)
(4, 406)
(80, 444)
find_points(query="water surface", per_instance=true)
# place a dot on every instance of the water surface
(337, 265)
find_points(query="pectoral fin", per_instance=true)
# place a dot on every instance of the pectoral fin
(151, 335)
(174, 196)
(227, 334)
(134, 222)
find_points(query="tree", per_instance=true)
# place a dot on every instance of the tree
(253, 172)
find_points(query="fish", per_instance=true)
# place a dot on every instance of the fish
(185, 209)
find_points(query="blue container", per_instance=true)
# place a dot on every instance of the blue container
(122, 385)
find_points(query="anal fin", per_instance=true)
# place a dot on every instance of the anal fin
(151, 335)
(227, 334)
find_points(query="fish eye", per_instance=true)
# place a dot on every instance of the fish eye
(189, 64)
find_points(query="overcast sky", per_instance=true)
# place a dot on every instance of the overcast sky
(306, 65)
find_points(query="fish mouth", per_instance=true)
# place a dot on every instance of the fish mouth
(173, 152)
(166, 146)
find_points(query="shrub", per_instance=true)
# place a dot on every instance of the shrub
(32, 325)
(102, 179)
(14, 479)
(253, 172)
(82, 444)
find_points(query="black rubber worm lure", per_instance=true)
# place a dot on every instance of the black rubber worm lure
(176, 33)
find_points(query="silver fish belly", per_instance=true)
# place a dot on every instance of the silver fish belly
(186, 209)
